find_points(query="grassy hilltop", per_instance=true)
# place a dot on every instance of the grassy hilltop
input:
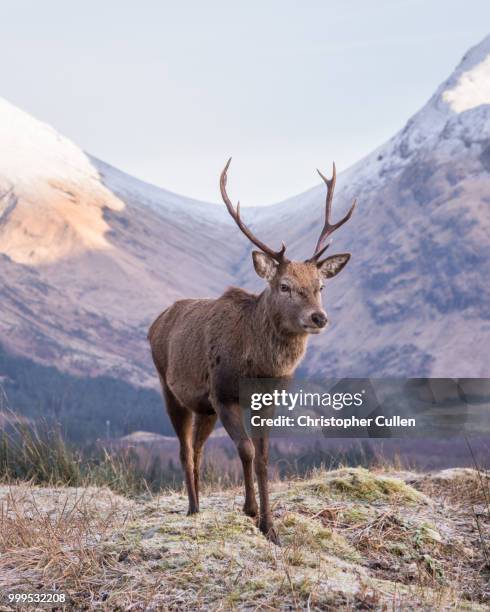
(351, 539)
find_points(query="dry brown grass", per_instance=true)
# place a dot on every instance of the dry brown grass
(54, 537)
(373, 541)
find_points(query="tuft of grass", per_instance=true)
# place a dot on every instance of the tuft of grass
(300, 533)
(364, 485)
(38, 454)
(62, 534)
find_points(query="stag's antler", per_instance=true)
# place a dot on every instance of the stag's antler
(329, 228)
(235, 213)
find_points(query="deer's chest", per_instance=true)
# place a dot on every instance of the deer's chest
(280, 358)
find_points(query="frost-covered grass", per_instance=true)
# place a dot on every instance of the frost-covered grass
(361, 484)
(351, 539)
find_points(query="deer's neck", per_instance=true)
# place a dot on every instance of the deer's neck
(277, 351)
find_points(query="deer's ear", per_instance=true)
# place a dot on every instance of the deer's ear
(333, 265)
(264, 265)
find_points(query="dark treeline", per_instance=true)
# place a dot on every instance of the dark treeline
(82, 406)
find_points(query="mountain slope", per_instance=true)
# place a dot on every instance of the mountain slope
(85, 267)
(89, 255)
(415, 300)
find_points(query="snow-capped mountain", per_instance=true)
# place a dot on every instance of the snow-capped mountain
(90, 255)
(415, 300)
(52, 200)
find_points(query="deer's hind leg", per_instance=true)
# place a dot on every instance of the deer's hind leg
(231, 417)
(181, 418)
(260, 463)
(203, 426)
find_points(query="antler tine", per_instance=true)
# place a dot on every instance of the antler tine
(329, 227)
(235, 214)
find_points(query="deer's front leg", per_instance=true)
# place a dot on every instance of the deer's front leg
(261, 461)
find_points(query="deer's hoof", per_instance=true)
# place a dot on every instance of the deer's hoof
(192, 511)
(270, 533)
(251, 510)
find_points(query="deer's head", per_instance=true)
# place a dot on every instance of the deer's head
(295, 286)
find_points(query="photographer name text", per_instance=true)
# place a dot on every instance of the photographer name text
(305, 420)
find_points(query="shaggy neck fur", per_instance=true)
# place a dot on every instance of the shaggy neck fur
(279, 351)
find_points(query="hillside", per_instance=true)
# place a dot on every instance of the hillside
(351, 539)
(414, 300)
(85, 267)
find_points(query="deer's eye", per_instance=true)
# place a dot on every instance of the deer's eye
(285, 288)
(322, 287)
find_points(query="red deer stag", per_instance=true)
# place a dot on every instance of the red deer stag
(202, 347)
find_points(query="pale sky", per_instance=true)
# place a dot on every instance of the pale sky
(168, 90)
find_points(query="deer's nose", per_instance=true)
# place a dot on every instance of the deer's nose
(319, 319)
